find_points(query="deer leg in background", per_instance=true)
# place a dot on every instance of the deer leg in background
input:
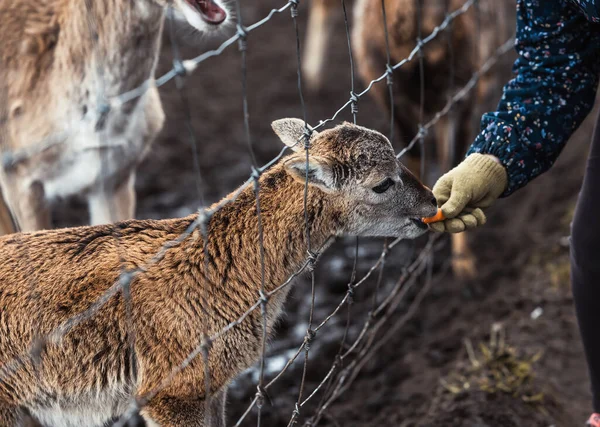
(318, 34)
(445, 142)
(110, 205)
(463, 259)
(29, 205)
(124, 199)
(7, 225)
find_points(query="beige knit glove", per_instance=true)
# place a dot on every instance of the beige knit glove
(463, 192)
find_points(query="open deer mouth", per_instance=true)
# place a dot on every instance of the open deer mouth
(209, 11)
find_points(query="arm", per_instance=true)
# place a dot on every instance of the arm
(553, 91)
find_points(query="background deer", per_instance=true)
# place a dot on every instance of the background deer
(61, 60)
(356, 187)
(449, 63)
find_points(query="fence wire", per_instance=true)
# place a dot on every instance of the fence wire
(352, 355)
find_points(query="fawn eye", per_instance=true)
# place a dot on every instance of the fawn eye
(383, 187)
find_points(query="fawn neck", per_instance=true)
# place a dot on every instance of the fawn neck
(113, 42)
(284, 232)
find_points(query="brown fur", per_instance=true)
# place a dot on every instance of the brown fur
(50, 276)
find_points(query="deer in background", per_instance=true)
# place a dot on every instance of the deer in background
(356, 186)
(59, 61)
(449, 62)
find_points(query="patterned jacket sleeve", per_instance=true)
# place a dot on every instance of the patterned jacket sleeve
(553, 91)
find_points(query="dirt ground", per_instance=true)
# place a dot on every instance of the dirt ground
(423, 375)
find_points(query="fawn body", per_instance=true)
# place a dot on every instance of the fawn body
(356, 186)
(61, 61)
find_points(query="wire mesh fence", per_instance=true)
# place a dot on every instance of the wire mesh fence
(353, 354)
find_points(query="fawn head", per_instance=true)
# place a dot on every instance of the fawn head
(205, 16)
(357, 170)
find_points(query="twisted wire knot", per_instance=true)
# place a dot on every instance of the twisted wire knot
(179, 68)
(294, 9)
(312, 260)
(263, 298)
(307, 134)
(354, 102)
(350, 294)
(255, 173)
(243, 37)
(261, 393)
(295, 414)
(389, 74)
(308, 339)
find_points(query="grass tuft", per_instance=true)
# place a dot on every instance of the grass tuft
(496, 368)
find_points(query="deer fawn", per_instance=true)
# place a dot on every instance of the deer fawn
(356, 187)
(61, 59)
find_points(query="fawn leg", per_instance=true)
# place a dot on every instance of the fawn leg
(171, 411)
(13, 416)
(9, 415)
(111, 205)
(216, 410)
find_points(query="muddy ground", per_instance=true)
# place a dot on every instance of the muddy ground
(422, 376)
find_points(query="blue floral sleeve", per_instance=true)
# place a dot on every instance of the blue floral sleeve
(553, 91)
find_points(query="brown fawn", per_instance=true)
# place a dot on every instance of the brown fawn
(356, 186)
(60, 63)
(449, 61)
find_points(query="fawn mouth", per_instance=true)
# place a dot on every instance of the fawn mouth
(419, 223)
(210, 12)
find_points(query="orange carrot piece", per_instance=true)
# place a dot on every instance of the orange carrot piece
(439, 216)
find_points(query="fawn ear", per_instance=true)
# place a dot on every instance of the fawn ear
(291, 132)
(320, 172)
